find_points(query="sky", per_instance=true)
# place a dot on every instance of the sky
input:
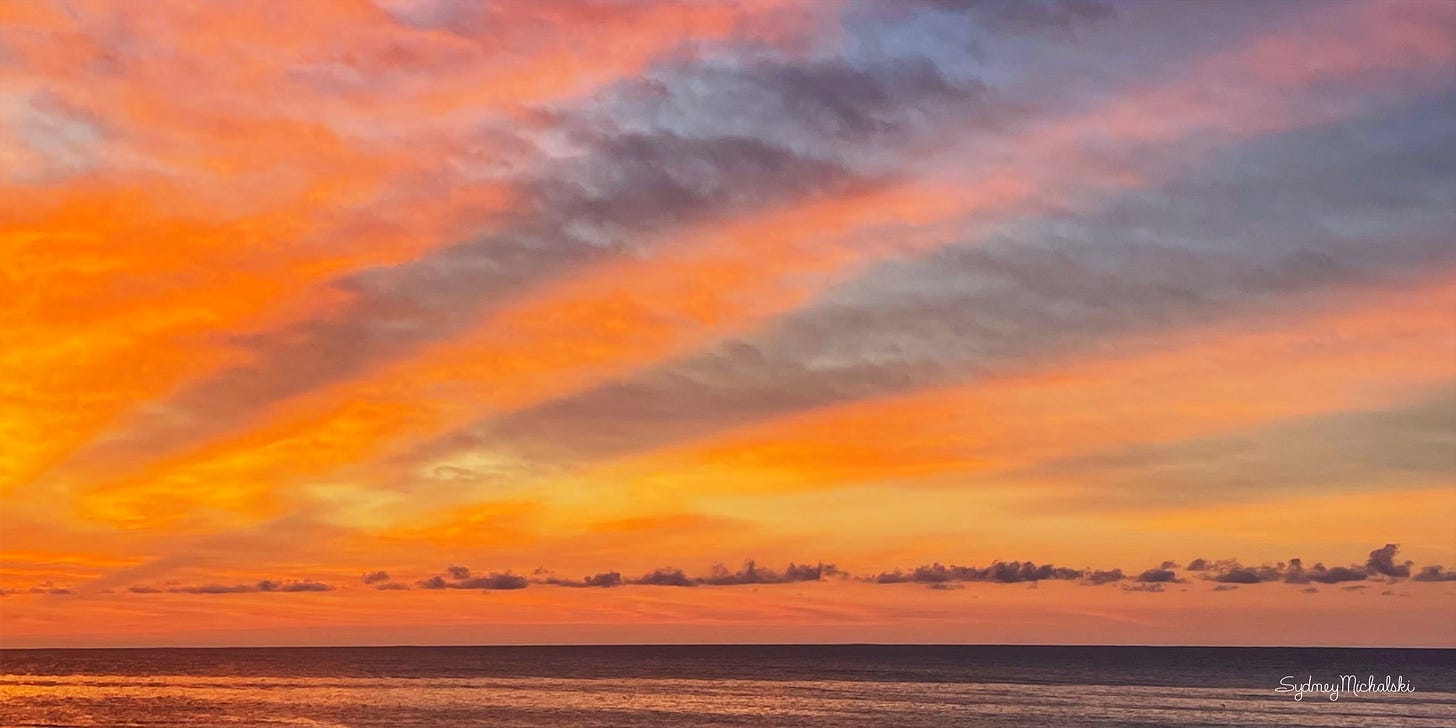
(762, 321)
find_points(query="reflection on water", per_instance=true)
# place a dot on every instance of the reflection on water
(112, 698)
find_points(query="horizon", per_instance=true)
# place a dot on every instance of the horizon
(679, 322)
(720, 644)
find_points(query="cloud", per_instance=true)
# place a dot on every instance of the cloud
(375, 577)
(604, 579)
(1053, 287)
(1382, 561)
(293, 586)
(1435, 573)
(1335, 575)
(1163, 575)
(624, 189)
(1156, 588)
(751, 573)
(1003, 572)
(214, 589)
(1238, 576)
(266, 585)
(459, 577)
(434, 582)
(1037, 17)
(1095, 577)
(665, 577)
(493, 581)
(47, 588)
(1297, 574)
(1227, 574)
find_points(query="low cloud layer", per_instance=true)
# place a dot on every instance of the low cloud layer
(1382, 565)
(266, 585)
(460, 577)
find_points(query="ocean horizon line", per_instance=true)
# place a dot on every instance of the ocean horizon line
(741, 645)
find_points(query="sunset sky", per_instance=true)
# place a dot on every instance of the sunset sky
(510, 322)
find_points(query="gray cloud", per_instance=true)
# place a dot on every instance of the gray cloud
(44, 588)
(665, 577)
(293, 586)
(493, 581)
(1156, 588)
(605, 579)
(1152, 576)
(266, 585)
(1096, 577)
(751, 573)
(1004, 572)
(1224, 573)
(1058, 17)
(1435, 573)
(1382, 561)
(1151, 261)
(459, 577)
(1339, 450)
(696, 138)
(1239, 576)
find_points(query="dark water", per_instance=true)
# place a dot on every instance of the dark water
(800, 686)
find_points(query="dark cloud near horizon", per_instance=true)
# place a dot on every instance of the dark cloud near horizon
(750, 573)
(1435, 573)
(460, 577)
(1157, 576)
(1155, 587)
(1382, 561)
(1002, 572)
(1381, 566)
(375, 577)
(606, 579)
(265, 585)
(665, 577)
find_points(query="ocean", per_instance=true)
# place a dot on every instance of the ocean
(802, 686)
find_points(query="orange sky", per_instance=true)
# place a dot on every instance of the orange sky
(643, 292)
